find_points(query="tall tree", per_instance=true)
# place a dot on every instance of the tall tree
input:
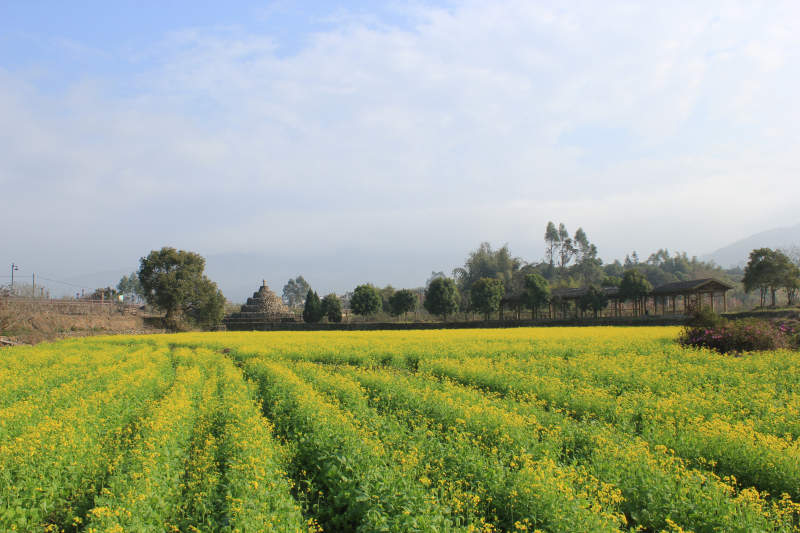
(295, 291)
(552, 240)
(312, 309)
(589, 266)
(581, 244)
(537, 292)
(366, 300)
(566, 249)
(757, 273)
(634, 287)
(792, 285)
(402, 302)
(173, 281)
(486, 294)
(332, 308)
(441, 297)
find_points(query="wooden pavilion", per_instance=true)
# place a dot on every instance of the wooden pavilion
(662, 300)
(562, 299)
(693, 293)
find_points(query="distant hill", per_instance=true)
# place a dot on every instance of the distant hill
(736, 254)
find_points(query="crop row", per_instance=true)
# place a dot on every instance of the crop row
(472, 431)
(53, 467)
(706, 425)
(152, 439)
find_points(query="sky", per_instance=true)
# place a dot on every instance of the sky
(352, 143)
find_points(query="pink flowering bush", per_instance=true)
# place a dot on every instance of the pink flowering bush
(745, 335)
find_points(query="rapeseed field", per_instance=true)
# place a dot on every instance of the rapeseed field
(549, 429)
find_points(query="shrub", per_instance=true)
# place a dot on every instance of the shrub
(738, 336)
(705, 317)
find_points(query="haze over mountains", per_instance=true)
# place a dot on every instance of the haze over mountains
(736, 254)
(240, 274)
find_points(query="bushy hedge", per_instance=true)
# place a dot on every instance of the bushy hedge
(745, 335)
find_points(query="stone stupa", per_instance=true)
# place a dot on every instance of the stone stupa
(264, 307)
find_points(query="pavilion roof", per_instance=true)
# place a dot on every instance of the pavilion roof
(572, 293)
(694, 285)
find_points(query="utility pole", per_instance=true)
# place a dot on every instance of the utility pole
(33, 284)
(13, 268)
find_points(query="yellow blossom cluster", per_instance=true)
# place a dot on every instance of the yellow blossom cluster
(550, 429)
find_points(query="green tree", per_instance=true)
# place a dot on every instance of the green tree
(130, 287)
(552, 241)
(205, 306)
(386, 295)
(595, 299)
(312, 310)
(759, 272)
(537, 292)
(487, 263)
(104, 293)
(588, 267)
(295, 291)
(566, 249)
(402, 302)
(770, 270)
(173, 281)
(434, 275)
(366, 300)
(441, 297)
(582, 244)
(634, 287)
(332, 308)
(611, 281)
(486, 294)
(791, 284)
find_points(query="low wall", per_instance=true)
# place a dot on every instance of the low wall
(69, 307)
(766, 314)
(371, 326)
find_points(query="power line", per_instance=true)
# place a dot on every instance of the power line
(64, 283)
(54, 281)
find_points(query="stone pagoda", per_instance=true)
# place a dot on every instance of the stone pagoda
(263, 308)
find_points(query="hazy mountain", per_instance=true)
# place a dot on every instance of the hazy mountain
(238, 275)
(736, 254)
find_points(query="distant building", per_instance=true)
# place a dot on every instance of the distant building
(264, 307)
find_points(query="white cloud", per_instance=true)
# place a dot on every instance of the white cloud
(441, 133)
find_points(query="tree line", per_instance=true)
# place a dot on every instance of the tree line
(173, 281)
(491, 276)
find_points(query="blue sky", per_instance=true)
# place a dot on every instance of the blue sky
(352, 143)
(114, 40)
